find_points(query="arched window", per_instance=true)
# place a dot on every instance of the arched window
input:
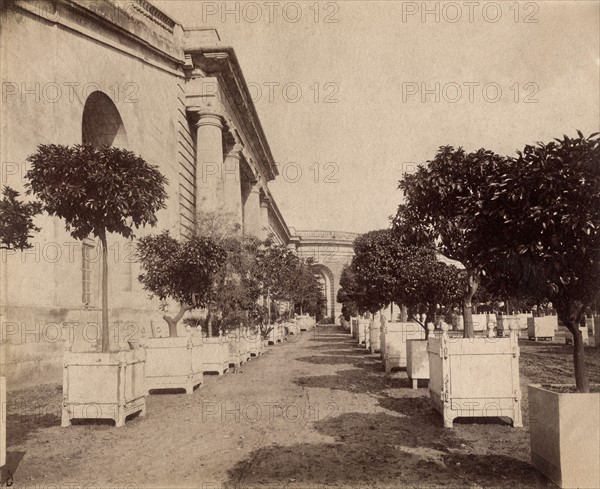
(102, 124)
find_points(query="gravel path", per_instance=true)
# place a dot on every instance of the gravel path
(316, 411)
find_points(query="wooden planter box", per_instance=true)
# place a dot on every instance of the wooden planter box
(584, 336)
(354, 328)
(384, 323)
(363, 330)
(565, 436)
(276, 335)
(472, 377)
(504, 322)
(254, 342)
(293, 327)
(306, 322)
(174, 363)
(2, 421)
(237, 348)
(479, 322)
(216, 354)
(417, 361)
(103, 385)
(542, 327)
(375, 336)
(396, 336)
(593, 325)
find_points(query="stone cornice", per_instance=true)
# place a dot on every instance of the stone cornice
(154, 37)
(220, 61)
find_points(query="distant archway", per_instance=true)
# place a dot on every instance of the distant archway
(325, 276)
(102, 124)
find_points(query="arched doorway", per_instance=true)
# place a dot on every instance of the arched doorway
(102, 124)
(325, 277)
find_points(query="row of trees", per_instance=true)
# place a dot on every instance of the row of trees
(99, 191)
(525, 227)
(386, 269)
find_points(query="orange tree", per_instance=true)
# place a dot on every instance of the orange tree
(536, 226)
(16, 221)
(435, 211)
(181, 270)
(97, 191)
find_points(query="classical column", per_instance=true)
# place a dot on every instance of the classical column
(264, 217)
(209, 160)
(252, 212)
(232, 189)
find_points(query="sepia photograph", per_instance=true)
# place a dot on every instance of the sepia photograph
(300, 244)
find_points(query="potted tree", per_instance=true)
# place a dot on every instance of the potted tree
(426, 286)
(439, 211)
(548, 207)
(182, 271)
(16, 226)
(371, 283)
(98, 191)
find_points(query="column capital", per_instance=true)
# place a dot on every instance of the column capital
(236, 152)
(209, 119)
(265, 201)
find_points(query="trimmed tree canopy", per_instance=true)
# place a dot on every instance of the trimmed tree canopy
(180, 270)
(16, 221)
(97, 190)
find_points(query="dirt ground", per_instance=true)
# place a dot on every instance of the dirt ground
(316, 411)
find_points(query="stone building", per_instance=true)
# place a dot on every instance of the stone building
(125, 74)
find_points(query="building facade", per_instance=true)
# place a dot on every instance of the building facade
(124, 74)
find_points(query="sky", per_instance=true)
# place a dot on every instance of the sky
(352, 94)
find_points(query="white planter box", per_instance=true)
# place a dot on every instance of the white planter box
(593, 325)
(504, 322)
(103, 385)
(2, 421)
(354, 328)
(216, 354)
(375, 336)
(417, 361)
(396, 336)
(542, 327)
(276, 335)
(472, 377)
(174, 363)
(584, 336)
(254, 344)
(565, 436)
(479, 322)
(384, 323)
(237, 348)
(363, 330)
(306, 322)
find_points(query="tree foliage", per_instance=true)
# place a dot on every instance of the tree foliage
(180, 270)
(16, 220)
(96, 190)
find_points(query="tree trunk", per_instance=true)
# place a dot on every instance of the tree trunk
(472, 284)
(403, 314)
(209, 323)
(172, 321)
(571, 319)
(105, 332)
